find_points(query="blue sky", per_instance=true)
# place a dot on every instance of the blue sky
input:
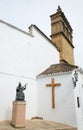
(22, 13)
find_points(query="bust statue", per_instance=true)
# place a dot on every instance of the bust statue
(19, 92)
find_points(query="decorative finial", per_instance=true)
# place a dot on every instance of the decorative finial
(59, 9)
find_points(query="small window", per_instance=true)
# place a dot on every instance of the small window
(78, 103)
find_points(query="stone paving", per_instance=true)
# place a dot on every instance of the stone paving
(36, 124)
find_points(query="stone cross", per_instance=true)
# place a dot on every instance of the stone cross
(53, 85)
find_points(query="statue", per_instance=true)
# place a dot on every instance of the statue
(19, 92)
(59, 9)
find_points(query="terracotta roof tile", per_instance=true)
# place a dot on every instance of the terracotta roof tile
(57, 68)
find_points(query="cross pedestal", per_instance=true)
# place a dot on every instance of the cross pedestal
(53, 85)
(18, 114)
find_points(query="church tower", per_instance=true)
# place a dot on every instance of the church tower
(61, 35)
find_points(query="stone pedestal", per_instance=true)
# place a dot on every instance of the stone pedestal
(18, 114)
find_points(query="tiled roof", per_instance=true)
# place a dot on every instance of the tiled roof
(57, 68)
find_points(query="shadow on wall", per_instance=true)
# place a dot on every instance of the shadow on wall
(8, 114)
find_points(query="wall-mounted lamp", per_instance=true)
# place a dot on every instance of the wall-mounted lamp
(75, 78)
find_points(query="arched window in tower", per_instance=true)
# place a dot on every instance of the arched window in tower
(66, 31)
(63, 26)
(69, 36)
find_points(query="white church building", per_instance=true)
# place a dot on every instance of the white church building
(55, 84)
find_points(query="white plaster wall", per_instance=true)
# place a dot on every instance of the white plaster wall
(78, 92)
(15, 67)
(25, 55)
(14, 51)
(44, 52)
(64, 110)
(22, 57)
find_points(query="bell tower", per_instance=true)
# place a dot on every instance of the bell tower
(61, 35)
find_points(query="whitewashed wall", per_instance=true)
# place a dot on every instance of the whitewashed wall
(22, 57)
(78, 92)
(64, 110)
(8, 84)
(14, 51)
(43, 53)
(23, 54)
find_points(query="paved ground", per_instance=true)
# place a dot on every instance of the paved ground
(36, 124)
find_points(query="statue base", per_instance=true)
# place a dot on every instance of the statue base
(18, 114)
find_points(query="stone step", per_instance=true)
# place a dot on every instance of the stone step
(37, 124)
